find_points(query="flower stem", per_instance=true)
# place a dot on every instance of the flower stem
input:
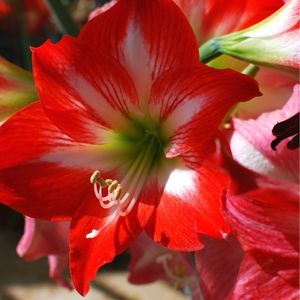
(251, 70)
(63, 18)
(209, 51)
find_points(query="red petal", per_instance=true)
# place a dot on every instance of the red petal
(193, 101)
(218, 265)
(44, 190)
(147, 37)
(255, 282)
(46, 172)
(89, 254)
(193, 198)
(257, 216)
(28, 135)
(83, 98)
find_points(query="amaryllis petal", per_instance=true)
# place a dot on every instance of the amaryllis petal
(92, 96)
(218, 264)
(37, 190)
(255, 282)
(99, 10)
(143, 267)
(129, 34)
(150, 262)
(272, 241)
(271, 82)
(96, 237)
(213, 18)
(251, 143)
(42, 238)
(192, 102)
(57, 266)
(198, 192)
(257, 218)
(36, 170)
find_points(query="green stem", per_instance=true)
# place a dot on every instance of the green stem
(63, 18)
(251, 70)
(209, 51)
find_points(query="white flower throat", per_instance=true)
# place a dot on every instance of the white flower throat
(123, 195)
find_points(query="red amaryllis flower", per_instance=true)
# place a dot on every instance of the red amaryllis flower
(44, 238)
(130, 104)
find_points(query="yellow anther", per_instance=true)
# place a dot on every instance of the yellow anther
(102, 182)
(95, 177)
(113, 186)
(108, 182)
(117, 192)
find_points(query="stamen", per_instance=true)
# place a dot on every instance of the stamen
(115, 194)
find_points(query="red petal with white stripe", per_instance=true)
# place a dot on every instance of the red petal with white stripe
(83, 98)
(147, 37)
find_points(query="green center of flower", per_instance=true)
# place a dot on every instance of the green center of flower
(141, 153)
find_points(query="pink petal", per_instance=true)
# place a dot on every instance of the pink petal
(218, 265)
(82, 99)
(254, 282)
(57, 266)
(143, 267)
(147, 37)
(266, 222)
(257, 218)
(42, 238)
(99, 10)
(150, 262)
(251, 143)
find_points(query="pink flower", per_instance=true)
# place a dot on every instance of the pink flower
(263, 263)
(151, 262)
(44, 238)
(251, 140)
